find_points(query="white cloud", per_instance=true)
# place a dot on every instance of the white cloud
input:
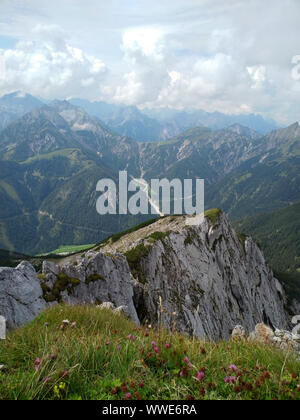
(232, 56)
(48, 66)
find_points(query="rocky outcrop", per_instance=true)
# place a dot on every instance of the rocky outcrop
(285, 340)
(21, 296)
(95, 278)
(212, 279)
(202, 280)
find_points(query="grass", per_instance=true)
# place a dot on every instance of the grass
(105, 356)
(134, 257)
(213, 215)
(70, 249)
(119, 235)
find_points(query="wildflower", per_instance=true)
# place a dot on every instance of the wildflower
(137, 395)
(46, 379)
(190, 398)
(294, 376)
(128, 395)
(200, 376)
(156, 349)
(230, 379)
(267, 375)
(183, 373)
(202, 391)
(124, 388)
(37, 363)
(186, 360)
(74, 325)
(237, 389)
(118, 346)
(211, 386)
(64, 374)
(249, 387)
(153, 344)
(107, 343)
(203, 351)
(233, 368)
(141, 385)
(131, 337)
(53, 356)
(167, 345)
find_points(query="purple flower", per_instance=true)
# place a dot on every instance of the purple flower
(186, 360)
(37, 363)
(200, 376)
(230, 379)
(128, 395)
(167, 345)
(131, 337)
(156, 349)
(233, 368)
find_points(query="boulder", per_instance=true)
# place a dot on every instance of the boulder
(262, 334)
(238, 333)
(21, 295)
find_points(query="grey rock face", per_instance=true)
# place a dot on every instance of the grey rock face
(203, 280)
(2, 328)
(99, 279)
(212, 280)
(20, 295)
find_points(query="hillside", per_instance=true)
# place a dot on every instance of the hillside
(102, 355)
(279, 235)
(52, 157)
(264, 183)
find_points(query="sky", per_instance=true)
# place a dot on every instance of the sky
(232, 56)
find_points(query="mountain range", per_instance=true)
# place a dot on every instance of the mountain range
(141, 125)
(52, 157)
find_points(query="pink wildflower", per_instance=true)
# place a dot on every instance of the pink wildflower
(128, 395)
(156, 349)
(200, 376)
(167, 345)
(230, 379)
(37, 363)
(233, 368)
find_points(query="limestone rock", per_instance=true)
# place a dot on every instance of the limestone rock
(21, 296)
(2, 328)
(238, 333)
(106, 305)
(121, 309)
(212, 279)
(96, 278)
(262, 334)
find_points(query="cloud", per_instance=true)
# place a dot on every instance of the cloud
(232, 56)
(48, 66)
